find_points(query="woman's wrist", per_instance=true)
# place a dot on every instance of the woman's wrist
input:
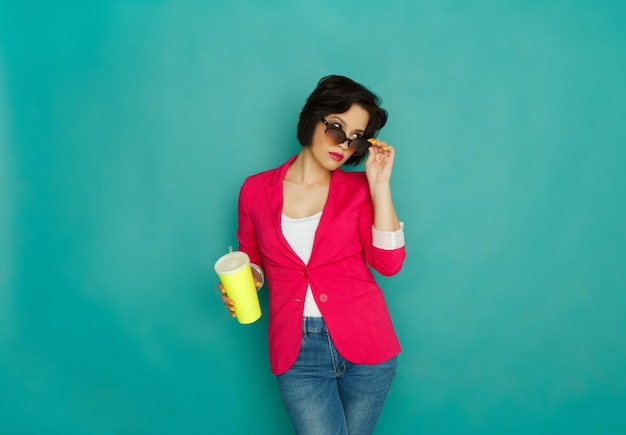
(380, 191)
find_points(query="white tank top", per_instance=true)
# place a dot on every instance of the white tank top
(300, 234)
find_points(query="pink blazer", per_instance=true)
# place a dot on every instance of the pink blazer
(344, 288)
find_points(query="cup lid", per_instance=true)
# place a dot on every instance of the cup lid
(231, 262)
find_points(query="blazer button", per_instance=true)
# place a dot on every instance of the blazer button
(305, 273)
(323, 297)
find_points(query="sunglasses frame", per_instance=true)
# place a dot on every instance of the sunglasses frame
(358, 150)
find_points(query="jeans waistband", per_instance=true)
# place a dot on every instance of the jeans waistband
(313, 324)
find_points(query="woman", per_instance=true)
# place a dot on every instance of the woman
(312, 229)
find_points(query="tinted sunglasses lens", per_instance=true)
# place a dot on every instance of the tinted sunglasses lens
(360, 146)
(336, 134)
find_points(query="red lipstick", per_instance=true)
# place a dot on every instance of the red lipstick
(336, 156)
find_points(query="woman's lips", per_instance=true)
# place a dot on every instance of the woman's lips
(336, 156)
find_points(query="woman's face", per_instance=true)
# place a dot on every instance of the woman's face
(330, 155)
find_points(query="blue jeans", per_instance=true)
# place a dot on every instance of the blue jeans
(324, 394)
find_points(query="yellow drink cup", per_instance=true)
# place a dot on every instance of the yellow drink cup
(235, 274)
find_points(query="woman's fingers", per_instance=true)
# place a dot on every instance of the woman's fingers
(228, 302)
(379, 144)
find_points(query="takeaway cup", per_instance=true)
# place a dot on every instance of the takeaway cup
(235, 274)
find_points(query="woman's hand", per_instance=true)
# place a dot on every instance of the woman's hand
(378, 171)
(379, 162)
(228, 302)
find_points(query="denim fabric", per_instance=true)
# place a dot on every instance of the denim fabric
(325, 395)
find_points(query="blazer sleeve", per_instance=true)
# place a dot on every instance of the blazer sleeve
(387, 262)
(246, 234)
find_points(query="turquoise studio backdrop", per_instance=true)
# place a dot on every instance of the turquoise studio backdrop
(127, 127)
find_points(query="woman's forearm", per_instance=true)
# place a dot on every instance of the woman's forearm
(385, 217)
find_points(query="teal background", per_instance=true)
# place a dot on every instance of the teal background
(127, 127)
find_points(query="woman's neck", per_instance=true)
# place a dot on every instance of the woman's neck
(306, 170)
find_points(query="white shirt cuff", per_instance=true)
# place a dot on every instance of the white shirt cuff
(388, 239)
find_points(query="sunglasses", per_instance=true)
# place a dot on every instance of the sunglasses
(338, 136)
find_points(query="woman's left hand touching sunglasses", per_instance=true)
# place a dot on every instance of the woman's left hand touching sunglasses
(379, 161)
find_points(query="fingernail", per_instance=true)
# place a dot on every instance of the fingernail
(258, 284)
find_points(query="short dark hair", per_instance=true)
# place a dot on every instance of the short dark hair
(336, 94)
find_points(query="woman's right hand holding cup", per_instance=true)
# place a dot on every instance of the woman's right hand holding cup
(228, 302)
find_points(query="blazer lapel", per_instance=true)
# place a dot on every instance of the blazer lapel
(274, 196)
(336, 195)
